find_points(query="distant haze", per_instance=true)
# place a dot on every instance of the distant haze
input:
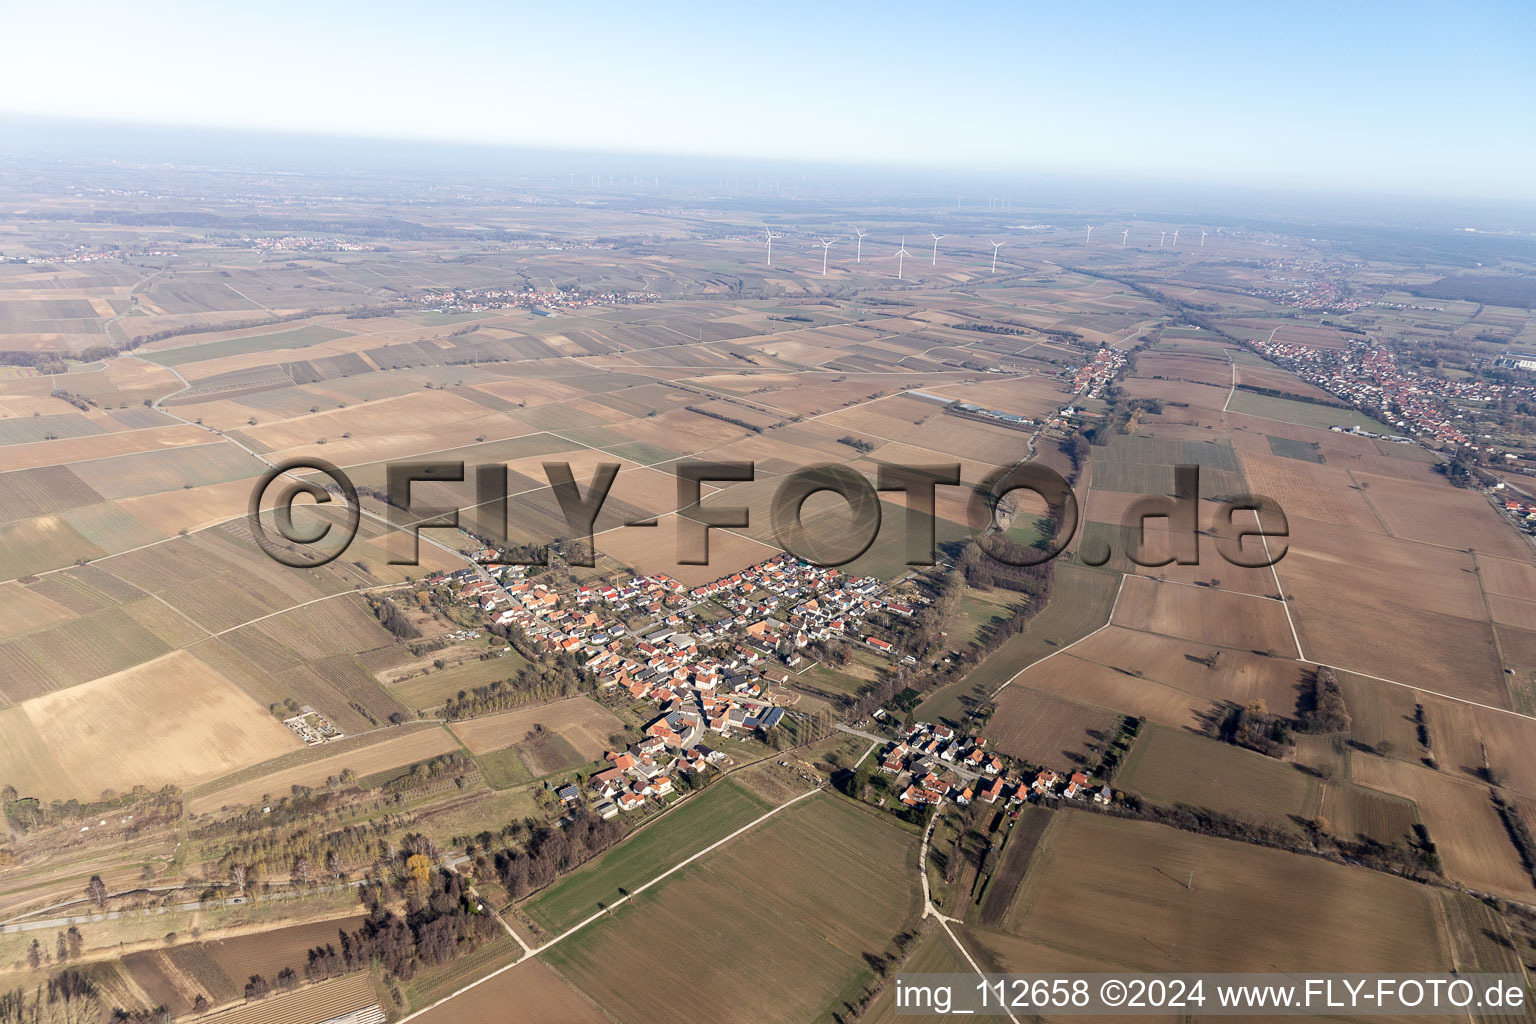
(1366, 99)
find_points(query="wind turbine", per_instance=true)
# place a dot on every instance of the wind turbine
(900, 253)
(858, 254)
(771, 237)
(1089, 239)
(825, 245)
(996, 246)
(1175, 238)
(935, 246)
(1123, 236)
(1202, 239)
(1161, 239)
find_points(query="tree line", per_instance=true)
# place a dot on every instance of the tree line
(548, 681)
(733, 421)
(1413, 857)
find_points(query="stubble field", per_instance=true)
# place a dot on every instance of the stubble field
(167, 721)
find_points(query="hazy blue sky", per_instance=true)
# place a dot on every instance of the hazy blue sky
(1395, 98)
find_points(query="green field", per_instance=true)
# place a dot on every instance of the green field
(677, 835)
(1133, 477)
(1026, 530)
(503, 769)
(1305, 414)
(977, 609)
(781, 920)
(822, 677)
(935, 953)
(431, 690)
(302, 337)
(1171, 766)
(1304, 451)
(641, 452)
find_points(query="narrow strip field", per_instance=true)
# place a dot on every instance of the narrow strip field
(712, 815)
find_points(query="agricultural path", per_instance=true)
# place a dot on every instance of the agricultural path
(530, 953)
(259, 457)
(929, 910)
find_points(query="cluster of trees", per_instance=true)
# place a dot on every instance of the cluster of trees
(993, 329)
(392, 618)
(920, 634)
(1465, 470)
(27, 814)
(1490, 289)
(450, 765)
(304, 803)
(560, 676)
(1122, 415)
(972, 842)
(1253, 726)
(550, 851)
(881, 692)
(44, 362)
(80, 402)
(259, 987)
(992, 561)
(1077, 449)
(858, 444)
(262, 846)
(378, 494)
(442, 921)
(303, 853)
(96, 352)
(1323, 708)
(253, 845)
(518, 640)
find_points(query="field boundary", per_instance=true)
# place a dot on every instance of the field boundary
(609, 909)
(1060, 650)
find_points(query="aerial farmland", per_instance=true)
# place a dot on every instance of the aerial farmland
(535, 699)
